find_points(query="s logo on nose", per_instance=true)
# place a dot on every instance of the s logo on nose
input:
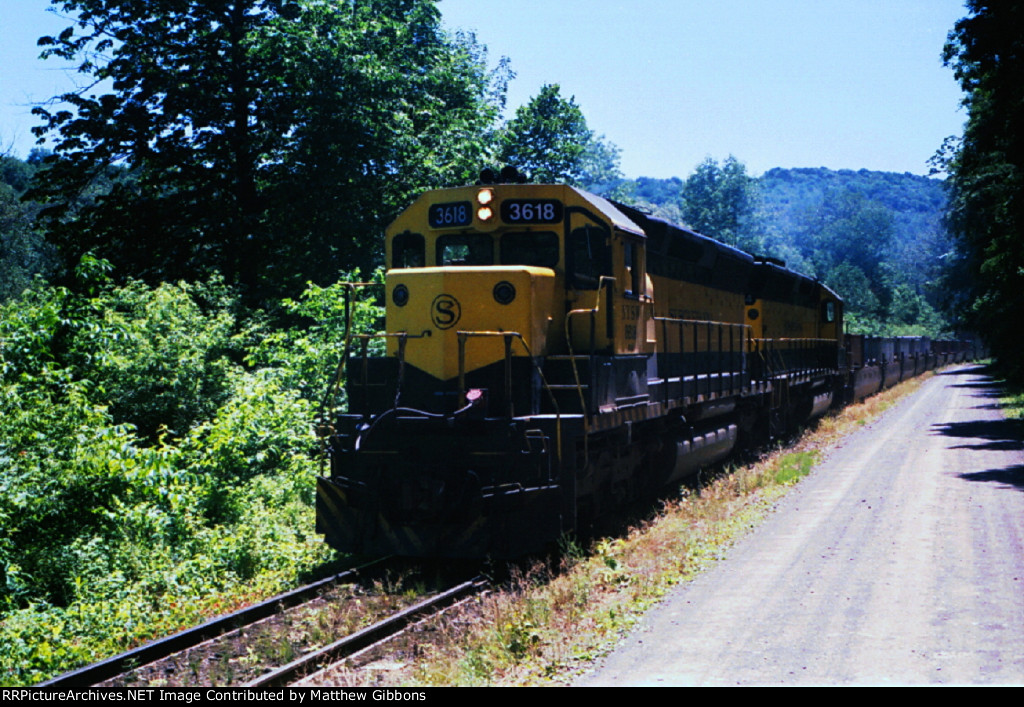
(445, 311)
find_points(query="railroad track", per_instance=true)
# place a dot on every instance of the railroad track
(368, 637)
(170, 656)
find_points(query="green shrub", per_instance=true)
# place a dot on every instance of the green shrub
(309, 353)
(155, 461)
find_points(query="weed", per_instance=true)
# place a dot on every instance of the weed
(570, 551)
(795, 466)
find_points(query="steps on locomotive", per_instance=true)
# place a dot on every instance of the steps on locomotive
(603, 382)
(562, 383)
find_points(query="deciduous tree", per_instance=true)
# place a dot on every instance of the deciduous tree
(718, 201)
(548, 139)
(986, 167)
(266, 139)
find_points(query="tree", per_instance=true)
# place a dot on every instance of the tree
(601, 166)
(23, 251)
(911, 315)
(266, 139)
(855, 230)
(549, 140)
(986, 167)
(718, 201)
(861, 305)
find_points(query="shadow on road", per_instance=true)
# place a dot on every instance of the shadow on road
(1012, 476)
(1007, 435)
(987, 435)
(987, 385)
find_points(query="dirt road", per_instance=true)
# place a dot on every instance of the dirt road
(900, 560)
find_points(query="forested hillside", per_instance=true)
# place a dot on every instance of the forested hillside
(875, 237)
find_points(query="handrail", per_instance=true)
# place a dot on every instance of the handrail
(772, 354)
(737, 344)
(365, 339)
(603, 281)
(349, 289)
(508, 336)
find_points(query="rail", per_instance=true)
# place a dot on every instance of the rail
(164, 647)
(794, 357)
(368, 636)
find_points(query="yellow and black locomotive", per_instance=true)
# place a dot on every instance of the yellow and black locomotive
(551, 355)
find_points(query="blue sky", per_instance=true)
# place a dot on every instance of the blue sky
(844, 84)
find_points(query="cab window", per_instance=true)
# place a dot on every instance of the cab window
(465, 249)
(539, 248)
(634, 257)
(828, 311)
(408, 250)
(589, 256)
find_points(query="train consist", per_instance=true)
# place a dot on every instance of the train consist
(552, 355)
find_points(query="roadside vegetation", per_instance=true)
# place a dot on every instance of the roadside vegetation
(1012, 402)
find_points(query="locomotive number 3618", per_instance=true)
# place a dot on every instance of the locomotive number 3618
(531, 211)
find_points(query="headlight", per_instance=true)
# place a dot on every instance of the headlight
(400, 295)
(504, 292)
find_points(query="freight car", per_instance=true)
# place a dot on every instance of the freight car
(877, 363)
(552, 355)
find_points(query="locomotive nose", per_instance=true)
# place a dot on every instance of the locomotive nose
(476, 304)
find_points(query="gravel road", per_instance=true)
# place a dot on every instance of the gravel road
(900, 560)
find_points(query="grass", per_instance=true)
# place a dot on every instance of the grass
(553, 621)
(1012, 401)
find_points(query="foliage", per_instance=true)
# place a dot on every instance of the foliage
(792, 467)
(718, 200)
(160, 357)
(548, 139)
(862, 308)
(851, 229)
(309, 353)
(235, 137)
(24, 253)
(986, 169)
(875, 237)
(110, 536)
(600, 166)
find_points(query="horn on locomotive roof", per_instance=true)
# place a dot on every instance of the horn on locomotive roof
(507, 175)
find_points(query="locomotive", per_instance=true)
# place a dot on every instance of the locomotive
(551, 355)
